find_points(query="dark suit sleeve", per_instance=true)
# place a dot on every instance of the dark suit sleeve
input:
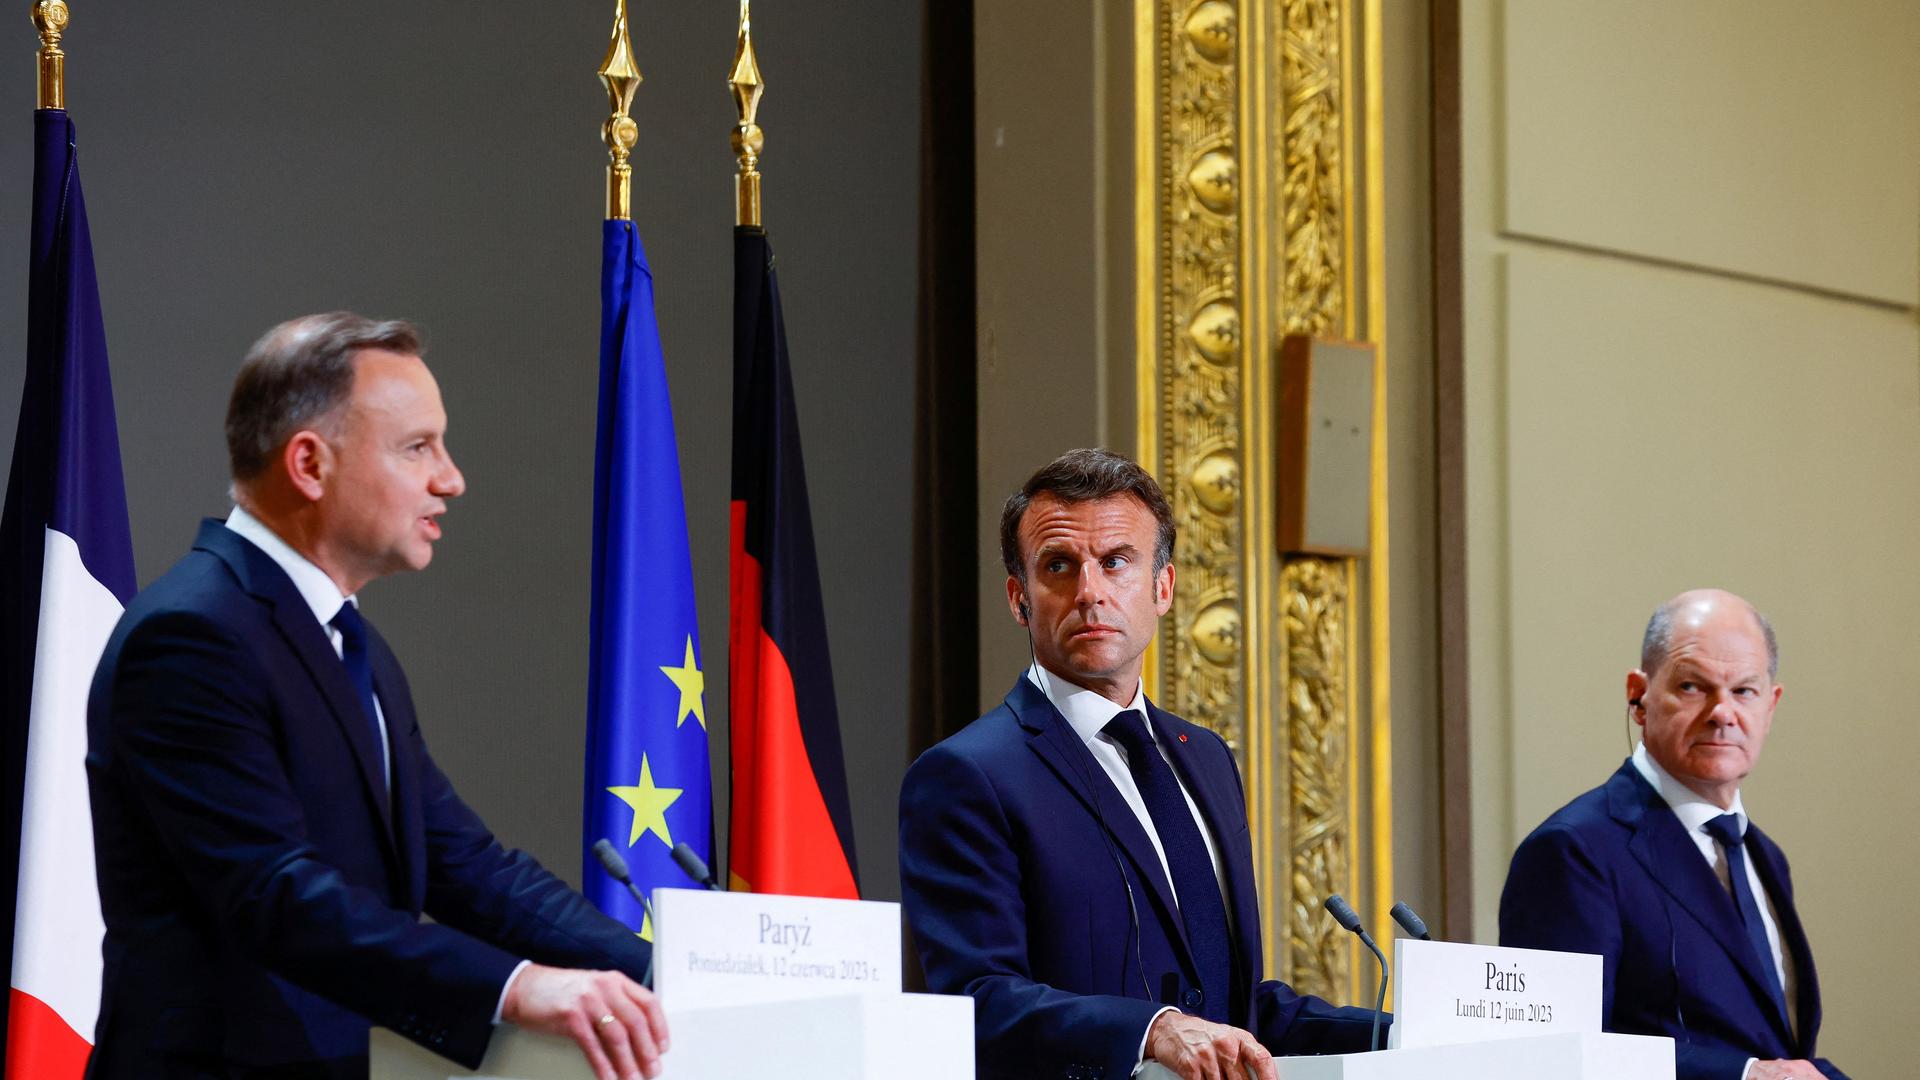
(1559, 896)
(192, 733)
(961, 882)
(506, 897)
(1291, 1023)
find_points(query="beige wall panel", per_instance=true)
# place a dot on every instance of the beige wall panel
(1668, 430)
(1412, 555)
(1772, 138)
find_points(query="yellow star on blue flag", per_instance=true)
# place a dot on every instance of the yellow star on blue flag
(649, 803)
(692, 686)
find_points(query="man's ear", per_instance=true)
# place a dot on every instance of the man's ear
(308, 463)
(1637, 686)
(1017, 601)
(1163, 590)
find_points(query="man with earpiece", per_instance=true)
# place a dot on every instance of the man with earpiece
(1077, 860)
(1659, 871)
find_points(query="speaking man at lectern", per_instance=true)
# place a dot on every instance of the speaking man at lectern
(268, 824)
(1077, 860)
(1659, 871)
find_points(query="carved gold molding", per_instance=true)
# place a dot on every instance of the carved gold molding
(1248, 228)
(1318, 625)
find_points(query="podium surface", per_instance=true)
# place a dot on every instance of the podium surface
(852, 1037)
(1569, 1056)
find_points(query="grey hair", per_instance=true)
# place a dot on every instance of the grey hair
(296, 377)
(1658, 640)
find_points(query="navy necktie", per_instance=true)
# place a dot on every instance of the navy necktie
(1726, 829)
(1201, 908)
(353, 653)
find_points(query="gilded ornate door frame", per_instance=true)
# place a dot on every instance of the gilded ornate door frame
(1258, 213)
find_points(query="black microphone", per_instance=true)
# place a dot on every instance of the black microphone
(616, 868)
(1343, 914)
(1410, 922)
(692, 865)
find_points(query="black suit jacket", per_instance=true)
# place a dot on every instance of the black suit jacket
(1614, 873)
(262, 888)
(1030, 885)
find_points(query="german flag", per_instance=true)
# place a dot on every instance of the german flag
(792, 831)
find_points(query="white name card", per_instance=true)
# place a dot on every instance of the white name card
(1444, 992)
(727, 948)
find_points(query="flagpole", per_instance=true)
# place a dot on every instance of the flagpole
(50, 18)
(748, 139)
(621, 77)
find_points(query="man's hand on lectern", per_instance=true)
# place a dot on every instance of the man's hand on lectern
(1197, 1049)
(617, 1023)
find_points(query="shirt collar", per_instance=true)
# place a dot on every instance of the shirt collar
(1087, 711)
(315, 587)
(1688, 805)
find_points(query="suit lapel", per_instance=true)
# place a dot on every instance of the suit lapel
(1054, 740)
(1671, 858)
(1223, 807)
(1772, 868)
(262, 578)
(408, 825)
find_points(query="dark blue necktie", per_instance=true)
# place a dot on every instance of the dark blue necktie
(353, 653)
(1201, 908)
(1726, 829)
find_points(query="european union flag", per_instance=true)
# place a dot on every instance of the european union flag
(648, 784)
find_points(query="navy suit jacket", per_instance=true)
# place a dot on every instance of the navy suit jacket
(1030, 885)
(262, 888)
(1614, 873)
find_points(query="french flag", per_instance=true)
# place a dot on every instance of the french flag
(66, 570)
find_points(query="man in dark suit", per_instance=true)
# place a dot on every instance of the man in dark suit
(1660, 873)
(268, 824)
(1078, 860)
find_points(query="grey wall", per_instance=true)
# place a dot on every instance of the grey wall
(441, 161)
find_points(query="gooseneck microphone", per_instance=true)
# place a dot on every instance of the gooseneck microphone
(1410, 922)
(692, 865)
(1349, 921)
(616, 868)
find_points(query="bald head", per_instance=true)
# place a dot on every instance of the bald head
(1699, 609)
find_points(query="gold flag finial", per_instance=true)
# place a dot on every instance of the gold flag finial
(50, 18)
(622, 78)
(747, 136)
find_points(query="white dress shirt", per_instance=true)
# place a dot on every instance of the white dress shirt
(1694, 812)
(320, 593)
(1088, 713)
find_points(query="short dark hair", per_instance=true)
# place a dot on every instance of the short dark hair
(1658, 640)
(1086, 475)
(296, 375)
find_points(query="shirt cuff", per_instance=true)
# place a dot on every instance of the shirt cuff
(501, 1005)
(1748, 1071)
(1142, 1055)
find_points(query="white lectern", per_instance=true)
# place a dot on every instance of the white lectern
(854, 1037)
(1571, 1056)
